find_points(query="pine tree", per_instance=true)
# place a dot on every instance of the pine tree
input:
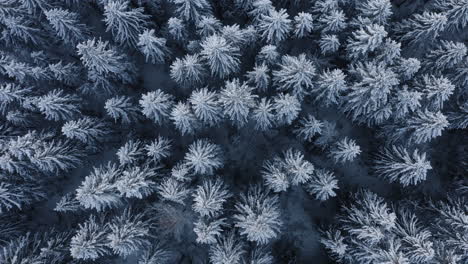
(329, 44)
(235, 35)
(172, 190)
(436, 90)
(56, 105)
(208, 231)
(397, 165)
(322, 185)
(156, 105)
(67, 25)
(157, 253)
(123, 22)
(268, 54)
(260, 8)
(330, 86)
(184, 119)
(209, 197)
(378, 11)
(263, 115)
(260, 77)
(203, 157)
(227, 250)
(16, 196)
(303, 24)
(188, 71)
(87, 130)
(295, 75)
(11, 93)
(177, 29)
(333, 21)
(221, 56)
(258, 215)
(423, 126)
(98, 190)
(275, 26)
(152, 47)
(122, 108)
(21, 30)
(56, 155)
(128, 233)
(446, 56)
(406, 102)
(68, 73)
(456, 12)
(407, 68)
(333, 241)
(299, 170)
(159, 148)
(89, 243)
(236, 100)
(131, 152)
(287, 108)
(309, 126)
(274, 175)
(421, 28)
(389, 52)
(206, 106)
(345, 150)
(136, 182)
(366, 40)
(207, 26)
(192, 10)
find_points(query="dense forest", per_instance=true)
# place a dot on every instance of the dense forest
(233, 131)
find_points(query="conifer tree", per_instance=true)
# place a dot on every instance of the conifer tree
(275, 176)
(90, 241)
(322, 185)
(456, 12)
(329, 44)
(123, 22)
(333, 21)
(11, 93)
(122, 108)
(87, 130)
(227, 250)
(221, 56)
(55, 155)
(406, 102)
(16, 196)
(67, 73)
(275, 26)
(263, 115)
(330, 86)
(398, 165)
(421, 127)
(203, 157)
(155, 254)
(209, 197)
(260, 8)
(420, 28)
(258, 215)
(192, 10)
(345, 150)
(152, 47)
(436, 90)
(407, 68)
(136, 182)
(67, 25)
(303, 24)
(260, 77)
(309, 126)
(184, 119)
(156, 105)
(21, 30)
(188, 71)
(295, 75)
(56, 105)
(287, 108)
(366, 40)
(446, 56)
(159, 148)
(206, 106)
(378, 11)
(268, 54)
(173, 190)
(177, 29)
(207, 26)
(131, 152)
(237, 100)
(208, 231)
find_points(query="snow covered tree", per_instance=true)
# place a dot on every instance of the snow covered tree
(67, 73)
(131, 152)
(67, 25)
(184, 119)
(188, 71)
(159, 148)
(260, 77)
(407, 68)
(406, 101)
(389, 52)
(446, 56)
(322, 185)
(208, 231)
(258, 215)
(421, 127)
(333, 21)
(209, 198)
(221, 56)
(203, 157)
(16, 196)
(236, 36)
(128, 233)
(136, 182)
(156, 105)
(236, 100)
(329, 44)
(421, 28)
(90, 240)
(208, 25)
(152, 47)
(275, 26)
(274, 175)
(366, 40)
(268, 54)
(11, 93)
(227, 250)
(456, 12)
(192, 10)
(21, 30)
(378, 11)
(177, 29)
(308, 127)
(156, 254)
(123, 22)
(98, 190)
(122, 108)
(56, 155)
(345, 150)
(367, 101)
(330, 86)
(397, 165)
(87, 130)
(287, 108)
(295, 75)
(303, 24)
(56, 105)
(173, 190)
(260, 8)
(262, 114)
(436, 90)
(299, 170)
(206, 106)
